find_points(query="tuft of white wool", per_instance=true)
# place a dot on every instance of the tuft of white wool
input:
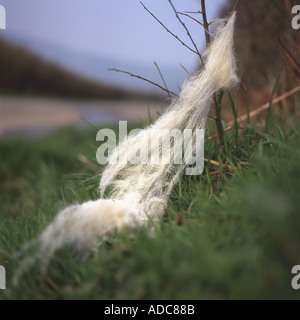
(146, 186)
(141, 190)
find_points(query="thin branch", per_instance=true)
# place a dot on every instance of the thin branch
(176, 37)
(260, 109)
(216, 106)
(139, 77)
(187, 15)
(187, 31)
(193, 12)
(185, 70)
(217, 164)
(205, 23)
(162, 78)
(235, 6)
(266, 105)
(218, 121)
(211, 117)
(88, 162)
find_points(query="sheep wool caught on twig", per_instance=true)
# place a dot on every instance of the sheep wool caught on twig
(141, 190)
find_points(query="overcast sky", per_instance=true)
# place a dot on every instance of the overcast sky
(119, 29)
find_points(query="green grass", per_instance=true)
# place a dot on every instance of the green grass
(239, 237)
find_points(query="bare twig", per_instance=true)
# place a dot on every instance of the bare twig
(193, 12)
(205, 23)
(176, 37)
(217, 164)
(52, 284)
(88, 162)
(139, 77)
(185, 70)
(257, 111)
(211, 117)
(266, 105)
(235, 6)
(163, 80)
(218, 121)
(189, 16)
(187, 30)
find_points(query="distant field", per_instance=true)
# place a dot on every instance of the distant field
(37, 116)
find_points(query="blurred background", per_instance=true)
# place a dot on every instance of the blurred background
(55, 56)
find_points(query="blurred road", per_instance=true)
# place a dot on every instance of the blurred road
(37, 116)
